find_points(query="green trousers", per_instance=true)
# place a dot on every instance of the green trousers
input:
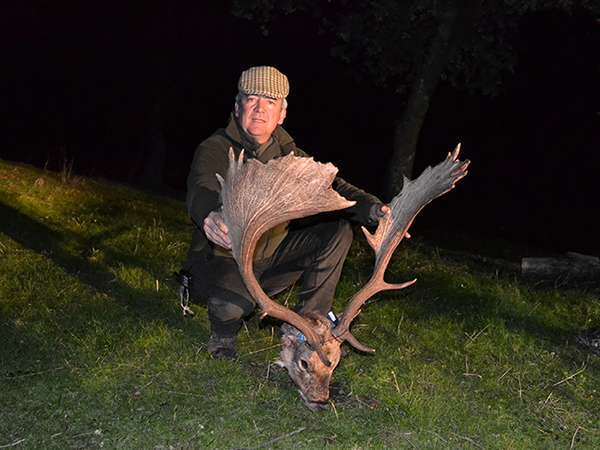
(311, 256)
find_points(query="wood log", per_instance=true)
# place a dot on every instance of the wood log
(571, 266)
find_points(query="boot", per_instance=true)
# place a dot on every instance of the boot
(221, 347)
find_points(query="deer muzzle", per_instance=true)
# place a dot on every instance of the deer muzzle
(315, 405)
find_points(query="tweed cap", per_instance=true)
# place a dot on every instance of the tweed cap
(264, 80)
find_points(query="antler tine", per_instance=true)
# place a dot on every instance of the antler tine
(432, 183)
(257, 197)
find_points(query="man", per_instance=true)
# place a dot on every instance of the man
(311, 251)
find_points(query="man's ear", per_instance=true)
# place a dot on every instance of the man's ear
(282, 116)
(236, 110)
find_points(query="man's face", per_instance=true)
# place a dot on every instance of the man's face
(259, 116)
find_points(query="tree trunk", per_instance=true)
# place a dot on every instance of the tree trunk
(455, 19)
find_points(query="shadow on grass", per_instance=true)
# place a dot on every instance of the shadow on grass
(63, 249)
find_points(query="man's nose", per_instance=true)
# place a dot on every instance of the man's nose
(260, 104)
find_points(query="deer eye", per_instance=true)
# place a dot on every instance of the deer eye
(303, 364)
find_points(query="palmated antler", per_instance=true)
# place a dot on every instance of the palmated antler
(257, 197)
(432, 183)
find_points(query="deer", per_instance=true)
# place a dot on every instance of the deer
(257, 196)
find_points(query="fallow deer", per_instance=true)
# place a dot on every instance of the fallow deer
(257, 197)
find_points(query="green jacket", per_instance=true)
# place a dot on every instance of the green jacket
(211, 157)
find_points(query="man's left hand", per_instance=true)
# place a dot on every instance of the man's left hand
(378, 212)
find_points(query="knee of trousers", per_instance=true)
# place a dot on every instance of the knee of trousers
(227, 310)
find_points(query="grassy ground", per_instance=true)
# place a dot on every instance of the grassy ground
(95, 352)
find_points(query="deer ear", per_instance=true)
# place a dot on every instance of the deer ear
(288, 339)
(290, 332)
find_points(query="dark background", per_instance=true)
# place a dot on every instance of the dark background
(101, 85)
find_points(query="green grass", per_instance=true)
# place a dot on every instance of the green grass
(95, 353)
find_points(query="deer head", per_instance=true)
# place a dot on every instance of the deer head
(304, 366)
(257, 197)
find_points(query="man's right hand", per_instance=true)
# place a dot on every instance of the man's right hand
(216, 230)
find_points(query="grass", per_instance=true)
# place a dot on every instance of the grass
(95, 352)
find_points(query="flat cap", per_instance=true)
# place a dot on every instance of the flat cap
(264, 80)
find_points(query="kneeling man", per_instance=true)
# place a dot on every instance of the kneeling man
(309, 251)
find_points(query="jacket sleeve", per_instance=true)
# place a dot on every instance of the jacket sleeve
(202, 185)
(361, 212)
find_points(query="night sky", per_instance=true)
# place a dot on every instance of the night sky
(96, 83)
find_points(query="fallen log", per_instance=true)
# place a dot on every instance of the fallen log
(571, 266)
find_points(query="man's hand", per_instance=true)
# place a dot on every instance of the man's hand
(216, 230)
(378, 212)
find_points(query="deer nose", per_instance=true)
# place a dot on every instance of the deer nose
(316, 399)
(321, 397)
